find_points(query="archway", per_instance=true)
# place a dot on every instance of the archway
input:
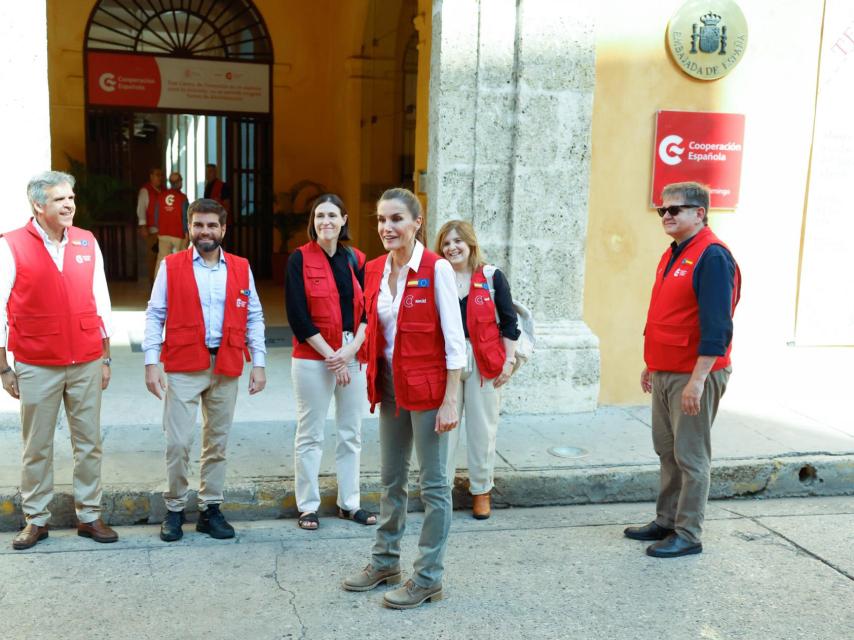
(178, 84)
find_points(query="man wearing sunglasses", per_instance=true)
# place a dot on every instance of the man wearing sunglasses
(687, 342)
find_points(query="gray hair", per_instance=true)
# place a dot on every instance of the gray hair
(694, 193)
(38, 185)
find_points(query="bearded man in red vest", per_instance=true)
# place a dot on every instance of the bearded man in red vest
(687, 342)
(206, 299)
(170, 218)
(145, 203)
(55, 303)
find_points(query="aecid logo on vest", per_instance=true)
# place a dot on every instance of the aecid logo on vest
(410, 301)
(170, 200)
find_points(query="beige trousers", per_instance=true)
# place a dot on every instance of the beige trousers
(477, 407)
(684, 447)
(42, 390)
(218, 396)
(167, 245)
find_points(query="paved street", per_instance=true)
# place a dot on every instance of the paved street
(771, 569)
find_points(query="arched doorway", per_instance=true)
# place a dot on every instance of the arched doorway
(179, 84)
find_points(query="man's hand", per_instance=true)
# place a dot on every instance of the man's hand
(646, 381)
(257, 380)
(105, 376)
(446, 417)
(10, 383)
(155, 381)
(691, 395)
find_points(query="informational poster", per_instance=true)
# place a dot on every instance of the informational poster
(153, 82)
(825, 299)
(694, 146)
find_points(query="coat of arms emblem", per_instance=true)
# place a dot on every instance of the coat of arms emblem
(710, 37)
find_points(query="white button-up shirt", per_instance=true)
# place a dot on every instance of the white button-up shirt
(447, 304)
(8, 274)
(211, 283)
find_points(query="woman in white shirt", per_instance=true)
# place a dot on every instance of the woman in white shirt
(415, 351)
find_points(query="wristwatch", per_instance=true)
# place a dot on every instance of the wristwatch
(5, 371)
(107, 361)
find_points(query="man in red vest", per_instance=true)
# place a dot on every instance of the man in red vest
(687, 342)
(206, 299)
(55, 317)
(216, 189)
(145, 201)
(170, 218)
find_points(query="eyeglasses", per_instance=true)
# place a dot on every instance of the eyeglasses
(676, 209)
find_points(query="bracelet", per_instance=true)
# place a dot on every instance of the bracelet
(5, 371)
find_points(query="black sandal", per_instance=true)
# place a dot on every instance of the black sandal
(309, 517)
(359, 515)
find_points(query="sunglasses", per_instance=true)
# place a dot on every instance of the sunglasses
(676, 209)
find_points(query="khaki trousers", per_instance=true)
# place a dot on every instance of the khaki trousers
(42, 389)
(397, 435)
(478, 400)
(314, 387)
(218, 396)
(684, 447)
(167, 245)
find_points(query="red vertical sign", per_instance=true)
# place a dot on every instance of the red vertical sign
(699, 147)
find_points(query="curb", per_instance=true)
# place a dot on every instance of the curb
(271, 498)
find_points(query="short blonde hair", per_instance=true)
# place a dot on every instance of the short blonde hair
(466, 232)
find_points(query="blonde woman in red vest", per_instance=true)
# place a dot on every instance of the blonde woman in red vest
(490, 345)
(687, 342)
(325, 306)
(415, 351)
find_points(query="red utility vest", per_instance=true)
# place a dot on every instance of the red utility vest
(184, 348)
(672, 333)
(53, 319)
(324, 305)
(170, 218)
(483, 330)
(418, 360)
(216, 194)
(153, 195)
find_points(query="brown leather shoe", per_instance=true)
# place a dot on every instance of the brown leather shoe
(97, 530)
(480, 507)
(29, 536)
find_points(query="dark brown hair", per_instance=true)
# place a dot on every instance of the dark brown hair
(338, 202)
(207, 205)
(412, 204)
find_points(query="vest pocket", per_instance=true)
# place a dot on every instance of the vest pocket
(35, 338)
(416, 339)
(236, 337)
(425, 387)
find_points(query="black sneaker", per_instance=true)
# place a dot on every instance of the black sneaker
(170, 528)
(212, 522)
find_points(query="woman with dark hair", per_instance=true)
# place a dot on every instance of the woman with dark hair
(415, 350)
(491, 329)
(325, 306)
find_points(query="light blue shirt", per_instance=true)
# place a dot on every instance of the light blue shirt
(211, 284)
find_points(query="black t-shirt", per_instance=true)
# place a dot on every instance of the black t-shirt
(507, 325)
(296, 304)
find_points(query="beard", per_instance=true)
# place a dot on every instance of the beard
(206, 245)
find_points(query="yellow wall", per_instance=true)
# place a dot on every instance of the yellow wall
(317, 90)
(774, 86)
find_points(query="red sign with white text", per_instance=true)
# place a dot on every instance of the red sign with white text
(699, 147)
(127, 80)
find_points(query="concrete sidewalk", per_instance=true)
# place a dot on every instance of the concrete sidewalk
(782, 452)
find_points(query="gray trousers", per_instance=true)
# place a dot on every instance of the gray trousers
(397, 435)
(684, 447)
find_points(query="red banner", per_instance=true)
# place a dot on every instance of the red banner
(699, 147)
(151, 82)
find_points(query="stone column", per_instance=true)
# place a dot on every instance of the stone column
(511, 100)
(25, 107)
